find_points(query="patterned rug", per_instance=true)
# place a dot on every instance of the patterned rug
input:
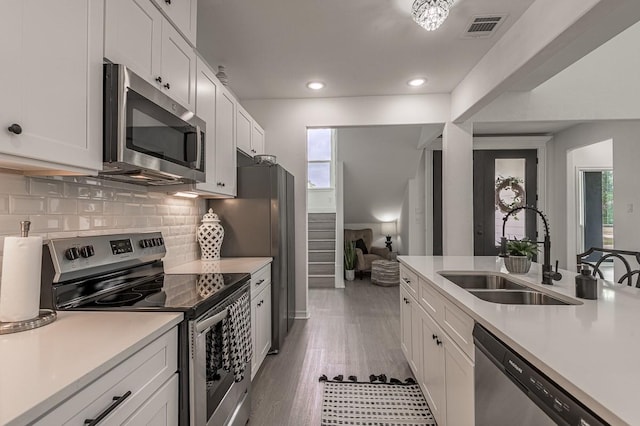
(374, 404)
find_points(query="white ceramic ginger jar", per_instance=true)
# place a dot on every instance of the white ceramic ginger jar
(210, 236)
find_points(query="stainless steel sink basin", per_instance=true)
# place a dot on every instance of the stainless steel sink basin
(517, 297)
(498, 288)
(487, 282)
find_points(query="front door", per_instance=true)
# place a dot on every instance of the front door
(502, 180)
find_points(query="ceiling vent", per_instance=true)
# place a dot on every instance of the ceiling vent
(483, 26)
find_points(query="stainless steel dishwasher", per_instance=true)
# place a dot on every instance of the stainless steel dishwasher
(510, 391)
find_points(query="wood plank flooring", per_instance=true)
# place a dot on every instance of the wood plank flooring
(351, 331)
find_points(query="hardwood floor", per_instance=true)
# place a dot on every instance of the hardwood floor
(351, 331)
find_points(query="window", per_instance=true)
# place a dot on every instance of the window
(320, 158)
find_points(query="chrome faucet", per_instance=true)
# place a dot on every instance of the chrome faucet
(548, 275)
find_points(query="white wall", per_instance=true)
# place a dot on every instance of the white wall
(378, 162)
(285, 123)
(626, 158)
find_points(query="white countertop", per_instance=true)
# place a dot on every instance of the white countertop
(40, 368)
(249, 265)
(592, 349)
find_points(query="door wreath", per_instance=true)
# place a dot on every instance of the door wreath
(512, 184)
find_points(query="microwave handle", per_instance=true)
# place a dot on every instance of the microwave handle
(194, 148)
(200, 147)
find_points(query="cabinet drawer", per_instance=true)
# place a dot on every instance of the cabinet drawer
(159, 410)
(431, 300)
(260, 280)
(410, 279)
(141, 374)
(459, 326)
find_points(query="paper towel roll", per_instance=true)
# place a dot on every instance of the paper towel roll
(20, 289)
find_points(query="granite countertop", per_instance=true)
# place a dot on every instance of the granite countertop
(41, 368)
(591, 349)
(249, 265)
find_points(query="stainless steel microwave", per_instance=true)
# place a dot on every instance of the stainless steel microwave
(149, 139)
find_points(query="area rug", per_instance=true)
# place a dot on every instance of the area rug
(374, 404)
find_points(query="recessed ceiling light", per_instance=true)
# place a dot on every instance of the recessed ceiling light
(417, 82)
(315, 85)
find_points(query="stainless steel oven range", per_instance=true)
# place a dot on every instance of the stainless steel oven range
(124, 272)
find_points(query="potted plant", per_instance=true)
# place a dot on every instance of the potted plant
(350, 260)
(519, 255)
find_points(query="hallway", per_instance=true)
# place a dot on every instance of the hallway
(355, 331)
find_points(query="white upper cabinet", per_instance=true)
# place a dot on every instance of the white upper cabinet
(206, 90)
(178, 67)
(225, 142)
(257, 139)
(51, 85)
(249, 134)
(243, 130)
(183, 14)
(139, 36)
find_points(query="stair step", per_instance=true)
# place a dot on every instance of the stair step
(326, 234)
(322, 217)
(322, 256)
(322, 226)
(322, 281)
(322, 245)
(321, 268)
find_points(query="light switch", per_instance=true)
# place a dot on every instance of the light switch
(630, 208)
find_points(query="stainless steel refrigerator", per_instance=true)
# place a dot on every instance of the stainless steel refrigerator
(260, 222)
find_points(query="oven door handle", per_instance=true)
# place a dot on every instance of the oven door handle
(203, 325)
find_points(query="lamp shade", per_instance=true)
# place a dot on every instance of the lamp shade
(388, 228)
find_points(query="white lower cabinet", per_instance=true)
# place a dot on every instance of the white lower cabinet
(143, 389)
(434, 338)
(260, 317)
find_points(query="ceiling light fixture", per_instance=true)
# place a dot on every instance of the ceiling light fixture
(315, 85)
(417, 82)
(430, 14)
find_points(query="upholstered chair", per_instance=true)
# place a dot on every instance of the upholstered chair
(363, 260)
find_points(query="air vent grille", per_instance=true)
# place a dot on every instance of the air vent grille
(483, 26)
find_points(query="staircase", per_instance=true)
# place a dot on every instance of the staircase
(322, 250)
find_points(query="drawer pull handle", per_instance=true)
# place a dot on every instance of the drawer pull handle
(434, 337)
(260, 282)
(407, 280)
(406, 300)
(261, 302)
(117, 400)
(438, 342)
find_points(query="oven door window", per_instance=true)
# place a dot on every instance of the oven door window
(218, 379)
(154, 131)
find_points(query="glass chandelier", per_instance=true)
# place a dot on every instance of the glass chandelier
(430, 14)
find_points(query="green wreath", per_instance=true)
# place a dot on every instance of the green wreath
(513, 184)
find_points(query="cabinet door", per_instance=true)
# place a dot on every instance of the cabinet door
(133, 36)
(178, 67)
(206, 89)
(264, 322)
(257, 139)
(243, 131)
(405, 322)
(433, 366)
(183, 15)
(225, 143)
(161, 409)
(460, 385)
(51, 85)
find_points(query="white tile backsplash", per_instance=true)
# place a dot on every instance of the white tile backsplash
(72, 206)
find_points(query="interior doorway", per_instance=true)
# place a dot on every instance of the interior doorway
(596, 210)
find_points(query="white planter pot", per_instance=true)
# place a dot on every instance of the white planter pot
(517, 264)
(350, 274)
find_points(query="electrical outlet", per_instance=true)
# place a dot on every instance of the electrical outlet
(630, 208)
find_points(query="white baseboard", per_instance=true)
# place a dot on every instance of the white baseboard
(302, 315)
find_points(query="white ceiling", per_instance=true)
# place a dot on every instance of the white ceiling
(270, 49)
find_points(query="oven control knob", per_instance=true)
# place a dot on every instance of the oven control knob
(152, 242)
(71, 253)
(87, 251)
(157, 241)
(143, 243)
(161, 240)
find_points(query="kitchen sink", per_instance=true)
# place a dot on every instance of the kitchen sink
(498, 288)
(485, 281)
(517, 297)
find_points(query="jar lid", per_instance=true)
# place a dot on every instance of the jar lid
(210, 216)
